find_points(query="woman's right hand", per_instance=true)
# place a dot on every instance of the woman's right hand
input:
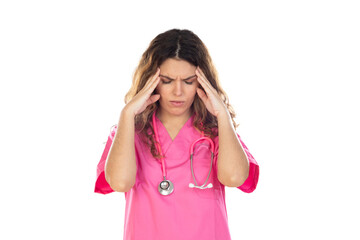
(144, 97)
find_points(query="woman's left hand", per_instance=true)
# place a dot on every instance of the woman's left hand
(211, 98)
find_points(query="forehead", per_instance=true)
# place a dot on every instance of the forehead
(177, 68)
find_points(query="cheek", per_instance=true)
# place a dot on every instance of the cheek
(159, 89)
(193, 91)
(162, 91)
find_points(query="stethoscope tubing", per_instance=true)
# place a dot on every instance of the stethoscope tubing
(202, 138)
(158, 145)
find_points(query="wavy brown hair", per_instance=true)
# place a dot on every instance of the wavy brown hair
(184, 45)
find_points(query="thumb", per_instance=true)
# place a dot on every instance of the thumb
(201, 93)
(154, 98)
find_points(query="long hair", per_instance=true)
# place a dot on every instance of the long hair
(184, 45)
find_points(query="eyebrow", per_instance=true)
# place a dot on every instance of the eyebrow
(174, 79)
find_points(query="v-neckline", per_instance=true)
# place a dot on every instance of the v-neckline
(181, 129)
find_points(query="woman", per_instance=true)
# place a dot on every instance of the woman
(176, 99)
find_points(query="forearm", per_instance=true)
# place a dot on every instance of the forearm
(120, 169)
(233, 165)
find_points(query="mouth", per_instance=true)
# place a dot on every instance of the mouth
(177, 103)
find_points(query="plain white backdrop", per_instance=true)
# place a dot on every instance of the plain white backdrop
(290, 69)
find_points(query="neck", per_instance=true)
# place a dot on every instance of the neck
(173, 120)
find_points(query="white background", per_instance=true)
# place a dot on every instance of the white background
(290, 68)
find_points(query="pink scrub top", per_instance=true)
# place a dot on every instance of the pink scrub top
(187, 213)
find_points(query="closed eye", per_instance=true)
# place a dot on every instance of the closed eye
(167, 82)
(190, 82)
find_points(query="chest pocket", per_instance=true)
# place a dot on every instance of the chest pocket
(201, 167)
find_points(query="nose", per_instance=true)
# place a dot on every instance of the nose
(178, 91)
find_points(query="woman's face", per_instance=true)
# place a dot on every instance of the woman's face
(177, 87)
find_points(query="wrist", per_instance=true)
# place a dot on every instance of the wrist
(223, 115)
(127, 112)
(224, 118)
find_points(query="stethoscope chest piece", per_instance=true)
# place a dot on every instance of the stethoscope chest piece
(166, 187)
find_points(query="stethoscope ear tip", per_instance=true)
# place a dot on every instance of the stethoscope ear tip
(191, 185)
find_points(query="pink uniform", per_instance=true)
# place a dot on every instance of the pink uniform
(187, 213)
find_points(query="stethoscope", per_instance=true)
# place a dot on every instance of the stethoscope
(166, 187)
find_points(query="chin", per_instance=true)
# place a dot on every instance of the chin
(177, 111)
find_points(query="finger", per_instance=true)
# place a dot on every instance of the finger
(204, 82)
(154, 98)
(201, 94)
(155, 78)
(154, 84)
(201, 72)
(210, 88)
(201, 75)
(157, 73)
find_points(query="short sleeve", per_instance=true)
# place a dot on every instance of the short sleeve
(251, 182)
(101, 185)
